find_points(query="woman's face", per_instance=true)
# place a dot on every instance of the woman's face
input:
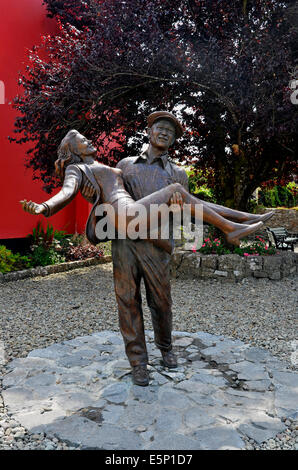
(84, 146)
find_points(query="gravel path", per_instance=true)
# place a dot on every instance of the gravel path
(38, 312)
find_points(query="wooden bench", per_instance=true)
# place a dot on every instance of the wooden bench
(281, 239)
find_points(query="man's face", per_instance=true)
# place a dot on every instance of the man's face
(84, 146)
(162, 134)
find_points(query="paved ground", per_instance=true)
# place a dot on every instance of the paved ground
(225, 394)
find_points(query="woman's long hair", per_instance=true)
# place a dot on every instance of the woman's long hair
(66, 153)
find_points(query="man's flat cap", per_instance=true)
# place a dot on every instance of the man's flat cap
(166, 115)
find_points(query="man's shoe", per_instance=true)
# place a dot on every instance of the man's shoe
(140, 375)
(169, 359)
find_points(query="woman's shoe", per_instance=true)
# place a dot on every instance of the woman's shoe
(234, 237)
(261, 218)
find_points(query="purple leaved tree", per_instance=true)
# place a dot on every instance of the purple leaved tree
(223, 66)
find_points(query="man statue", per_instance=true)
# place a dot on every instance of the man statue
(140, 259)
(134, 260)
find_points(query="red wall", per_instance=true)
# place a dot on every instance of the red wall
(22, 22)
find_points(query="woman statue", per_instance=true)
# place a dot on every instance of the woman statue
(100, 184)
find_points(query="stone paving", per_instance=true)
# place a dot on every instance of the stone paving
(222, 393)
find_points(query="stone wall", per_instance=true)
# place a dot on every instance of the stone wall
(287, 218)
(188, 265)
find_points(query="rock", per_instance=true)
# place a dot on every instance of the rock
(136, 414)
(289, 379)
(186, 341)
(77, 431)
(173, 442)
(254, 354)
(168, 421)
(260, 431)
(248, 371)
(285, 401)
(209, 379)
(219, 438)
(115, 393)
(172, 399)
(197, 418)
(258, 385)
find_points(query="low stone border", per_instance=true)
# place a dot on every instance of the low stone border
(55, 268)
(188, 265)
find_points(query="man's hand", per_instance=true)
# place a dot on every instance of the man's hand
(32, 207)
(88, 191)
(177, 199)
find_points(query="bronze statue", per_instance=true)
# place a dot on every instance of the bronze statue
(138, 181)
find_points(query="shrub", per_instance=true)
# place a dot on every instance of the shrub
(43, 256)
(279, 196)
(198, 185)
(45, 248)
(83, 252)
(259, 247)
(10, 261)
(213, 246)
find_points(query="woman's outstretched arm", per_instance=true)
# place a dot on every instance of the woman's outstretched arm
(71, 186)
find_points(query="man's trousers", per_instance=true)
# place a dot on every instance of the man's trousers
(132, 262)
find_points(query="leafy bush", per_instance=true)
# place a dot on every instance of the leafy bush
(198, 184)
(213, 247)
(279, 196)
(10, 261)
(42, 256)
(259, 247)
(216, 246)
(81, 252)
(45, 248)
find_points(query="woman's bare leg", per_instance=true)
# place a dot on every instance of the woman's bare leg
(233, 231)
(236, 216)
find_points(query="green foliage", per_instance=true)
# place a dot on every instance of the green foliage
(42, 256)
(41, 236)
(12, 261)
(259, 247)
(198, 184)
(56, 246)
(106, 248)
(279, 196)
(213, 246)
(47, 246)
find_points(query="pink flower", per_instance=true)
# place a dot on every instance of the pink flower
(204, 244)
(245, 254)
